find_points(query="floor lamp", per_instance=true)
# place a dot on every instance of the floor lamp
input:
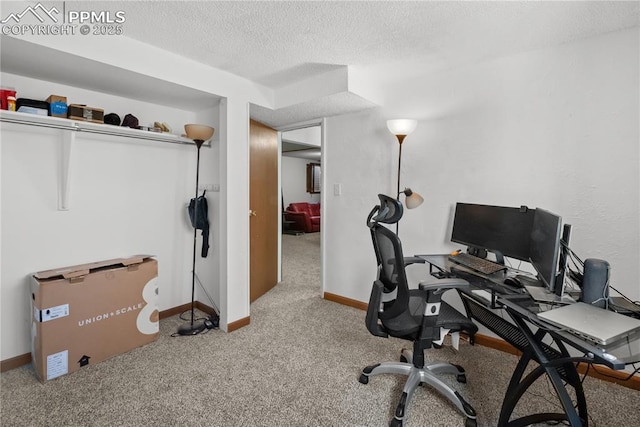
(401, 128)
(199, 134)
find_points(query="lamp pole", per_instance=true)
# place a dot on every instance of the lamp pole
(199, 134)
(400, 128)
(192, 329)
(400, 140)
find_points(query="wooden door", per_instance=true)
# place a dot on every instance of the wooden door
(263, 203)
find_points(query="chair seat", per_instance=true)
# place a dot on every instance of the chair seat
(450, 318)
(407, 324)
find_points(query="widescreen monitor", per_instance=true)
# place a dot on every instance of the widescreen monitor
(545, 246)
(500, 229)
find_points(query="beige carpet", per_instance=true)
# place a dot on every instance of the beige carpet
(296, 364)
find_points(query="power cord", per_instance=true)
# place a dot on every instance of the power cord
(185, 316)
(213, 322)
(576, 275)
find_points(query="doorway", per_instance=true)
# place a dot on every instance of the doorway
(301, 181)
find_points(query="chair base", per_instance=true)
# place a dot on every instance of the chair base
(417, 376)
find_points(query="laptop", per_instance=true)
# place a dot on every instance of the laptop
(600, 326)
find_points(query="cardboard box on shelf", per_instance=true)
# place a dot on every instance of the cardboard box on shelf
(56, 98)
(85, 314)
(57, 105)
(82, 112)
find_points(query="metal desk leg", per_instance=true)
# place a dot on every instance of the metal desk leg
(518, 386)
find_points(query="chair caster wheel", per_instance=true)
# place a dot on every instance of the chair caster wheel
(461, 377)
(363, 379)
(471, 422)
(395, 423)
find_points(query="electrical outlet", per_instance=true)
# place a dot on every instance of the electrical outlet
(209, 187)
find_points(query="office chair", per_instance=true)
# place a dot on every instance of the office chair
(415, 315)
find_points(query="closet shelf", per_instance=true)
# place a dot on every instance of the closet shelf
(70, 129)
(89, 127)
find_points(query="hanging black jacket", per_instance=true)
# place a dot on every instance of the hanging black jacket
(200, 205)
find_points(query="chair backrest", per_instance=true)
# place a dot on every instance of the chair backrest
(389, 211)
(314, 209)
(391, 271)
(389, 256)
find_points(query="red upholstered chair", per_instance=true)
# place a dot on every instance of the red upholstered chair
(305, 215)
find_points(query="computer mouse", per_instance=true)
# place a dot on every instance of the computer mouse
(513, 281)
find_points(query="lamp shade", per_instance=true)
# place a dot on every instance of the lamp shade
(401, 126)
(198, 132)
(413, 201)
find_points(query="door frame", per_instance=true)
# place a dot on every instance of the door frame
(323, 195)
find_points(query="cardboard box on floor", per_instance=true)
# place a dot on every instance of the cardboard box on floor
(87, 313)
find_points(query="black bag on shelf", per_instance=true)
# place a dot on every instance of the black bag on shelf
(200, 205)
(112, 119)
(130, 121)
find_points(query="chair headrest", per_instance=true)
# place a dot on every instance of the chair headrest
(389, 211)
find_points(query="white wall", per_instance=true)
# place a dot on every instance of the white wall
(294, 181)
(556, 128)
(127, 197)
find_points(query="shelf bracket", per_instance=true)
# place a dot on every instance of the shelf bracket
(67, 141)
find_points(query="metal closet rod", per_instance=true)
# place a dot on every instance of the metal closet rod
(38, 124)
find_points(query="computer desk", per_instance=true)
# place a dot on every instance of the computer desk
(538, 341)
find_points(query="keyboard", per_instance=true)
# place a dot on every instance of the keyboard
(478, 264)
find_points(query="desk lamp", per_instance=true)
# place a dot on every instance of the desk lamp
(412, 200)
(199, 134)
(401, 128)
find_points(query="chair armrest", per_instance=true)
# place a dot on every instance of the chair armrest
(298, 218)
(448, 283)
(408, 260)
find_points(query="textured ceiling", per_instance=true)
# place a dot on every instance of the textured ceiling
(276, 43)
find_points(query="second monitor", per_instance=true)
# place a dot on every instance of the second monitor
(544, 246)
(531, 235)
